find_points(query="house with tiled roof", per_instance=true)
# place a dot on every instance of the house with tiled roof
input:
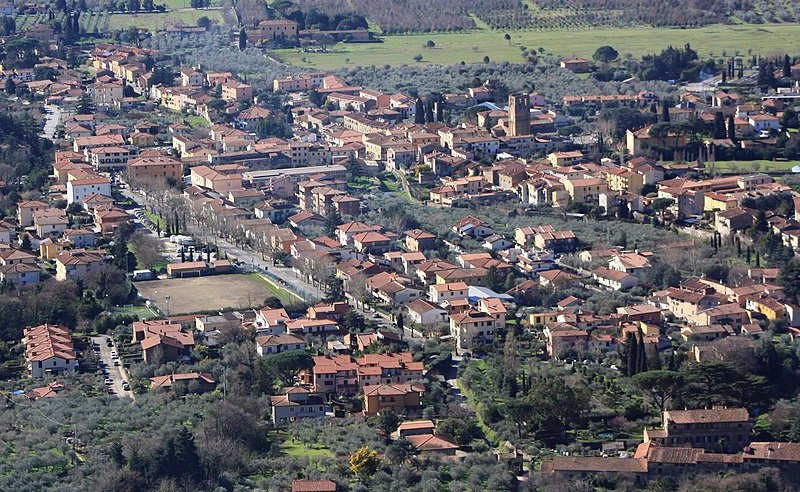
(725, 314)
(297, 403)
(478, 325)
(717, 429)
(202, 382)
(614, 279)
(403, 399)
(433, 444)
(49, 350)
(423, 312)
(420, 240)
(165, 342)
(78, 264)
(275, 344)
(313, 485)
(19, 274)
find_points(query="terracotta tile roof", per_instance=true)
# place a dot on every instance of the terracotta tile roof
(432, 442)
(313, 486)
(593, 464)
(716, 414)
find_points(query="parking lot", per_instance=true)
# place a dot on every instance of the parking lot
(112, 367)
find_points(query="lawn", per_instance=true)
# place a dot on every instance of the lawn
(297, 449)
(737, 167)
(197, 121)
(472, 47)
(286, 296)
(155, 219)
(390, 182)
(183, 4)
(155, 21)
(143, 312)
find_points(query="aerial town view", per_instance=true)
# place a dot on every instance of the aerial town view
(391, 245)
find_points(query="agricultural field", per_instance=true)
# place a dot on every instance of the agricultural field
(404, 16)
(155, 21)
(739, 167)
(473, 46)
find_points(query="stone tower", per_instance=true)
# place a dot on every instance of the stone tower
(519, 115)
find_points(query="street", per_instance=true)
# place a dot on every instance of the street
(116, 373)
(309, 292)
(52, 119)
(246, 257)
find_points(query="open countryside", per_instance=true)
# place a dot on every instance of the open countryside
(473, 46)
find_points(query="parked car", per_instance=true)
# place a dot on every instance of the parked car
(110, 390)
(126, 386)
(108, 382)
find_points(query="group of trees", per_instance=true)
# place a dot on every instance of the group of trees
(406, 15)
(314, 19)
(429, 111)
(671, 64)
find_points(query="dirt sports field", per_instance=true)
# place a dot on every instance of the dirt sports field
(190, 295)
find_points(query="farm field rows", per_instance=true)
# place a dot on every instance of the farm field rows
(473, 46)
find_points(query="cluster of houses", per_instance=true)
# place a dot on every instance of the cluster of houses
(714, 320)
(710, 440)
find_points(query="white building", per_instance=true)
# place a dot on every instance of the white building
(78, 189)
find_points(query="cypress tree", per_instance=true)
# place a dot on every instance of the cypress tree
(738, 247)
(242, 39)
(731, 128)
(787, 66)
(419, 112)
(429, 111)
(747, 258)
(758, 260)
(719, 125)
(665, 112)
(724, 77)
(641, 355)
(655, 362)
(632, 349)
(440, 109)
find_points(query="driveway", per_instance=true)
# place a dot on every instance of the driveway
(116, 373)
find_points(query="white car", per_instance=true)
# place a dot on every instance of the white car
(108, 381)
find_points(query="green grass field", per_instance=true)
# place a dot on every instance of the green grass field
(737, 167)
(286, 296)
(297, 450)
(183, 4)
(471, 47)
(155, 21)
(143, 312)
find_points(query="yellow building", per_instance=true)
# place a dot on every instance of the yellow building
(717, 202)
(153, 170)
(586, 190)
(768, 306)
(621, 179)
(542, 318)
(559, 159)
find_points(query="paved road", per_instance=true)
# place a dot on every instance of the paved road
(51, 120)
(116, 373)
(248, 257)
